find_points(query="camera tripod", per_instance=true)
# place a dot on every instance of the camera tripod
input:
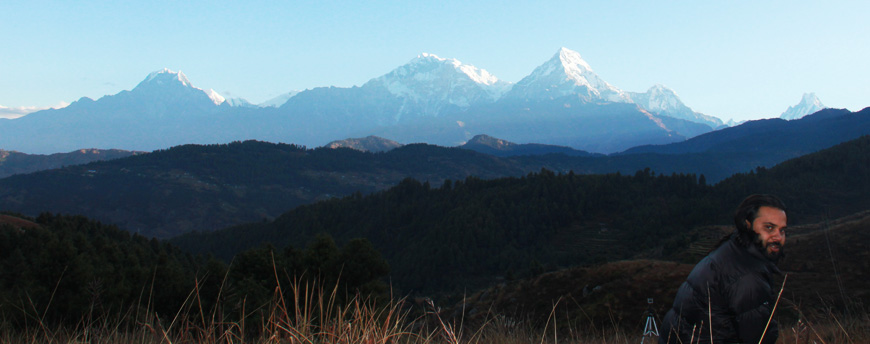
(650, 329)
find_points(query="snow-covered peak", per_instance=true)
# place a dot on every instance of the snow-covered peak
(661, 89)
(567, 73)
(426, 62)
(664, 101)
(809, 104)
(428, 85)
(215, 97)
(658, 98)
(167, 75)
(573, 62)
(168, 79)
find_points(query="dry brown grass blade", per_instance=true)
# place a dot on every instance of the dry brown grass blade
(547, 324)
(710, 313)
(772, 311)
(840, 326)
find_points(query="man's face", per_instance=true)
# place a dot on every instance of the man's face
(770, 226)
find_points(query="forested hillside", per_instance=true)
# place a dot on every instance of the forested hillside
(194, 187)
(471, 232)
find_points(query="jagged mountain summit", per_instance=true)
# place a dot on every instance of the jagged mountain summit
(809, 104)
(566, 73)
(429, 85)
(175, 85)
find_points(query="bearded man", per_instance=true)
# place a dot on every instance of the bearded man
(729, 291)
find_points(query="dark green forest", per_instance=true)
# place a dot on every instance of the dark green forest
(65, 269)
(473, 232)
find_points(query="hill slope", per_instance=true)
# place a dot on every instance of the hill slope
(193, 187)
(19, 163)
(821, 129)
(826, 264)
(468, 233)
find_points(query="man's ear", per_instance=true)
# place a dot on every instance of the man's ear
(748, 224)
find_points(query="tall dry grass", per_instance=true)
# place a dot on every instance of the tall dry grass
(305, 312)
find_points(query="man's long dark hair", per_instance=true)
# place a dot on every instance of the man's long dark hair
(748, 211)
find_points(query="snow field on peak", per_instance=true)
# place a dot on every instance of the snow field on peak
(429, 76)
(167, 73)
(215, 97)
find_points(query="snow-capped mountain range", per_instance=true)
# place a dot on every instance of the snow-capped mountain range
(428, 84)
(429, 99)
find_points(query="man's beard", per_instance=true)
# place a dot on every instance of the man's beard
(773, 256)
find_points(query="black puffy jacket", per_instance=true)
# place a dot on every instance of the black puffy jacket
(740, 299)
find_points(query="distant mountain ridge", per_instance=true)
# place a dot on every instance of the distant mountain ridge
(494, 146)
(430, 99)
(12, 163)
(366, 144)
(206, 187)
(821, 129)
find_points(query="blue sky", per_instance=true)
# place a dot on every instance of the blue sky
(731, 59)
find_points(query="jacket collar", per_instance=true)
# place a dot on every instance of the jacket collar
(756, 255)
